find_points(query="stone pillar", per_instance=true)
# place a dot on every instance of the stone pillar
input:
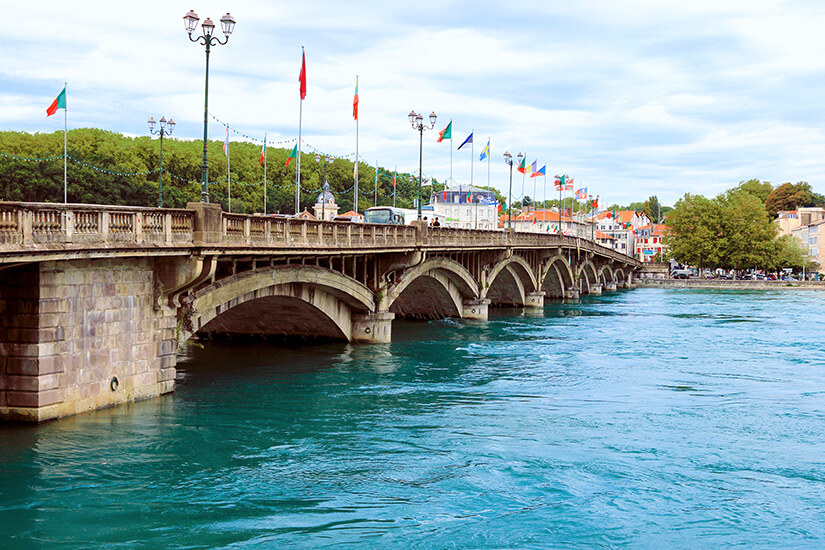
(571, 294)
(372, 328)
(475, 309)
(596, 289)
(534, 300)
(611, 287)
(207, 222)
(81, 335)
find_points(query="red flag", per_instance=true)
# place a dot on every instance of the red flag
(302, 78)
(355, 101)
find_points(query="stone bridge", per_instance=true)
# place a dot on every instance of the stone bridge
(95, 300)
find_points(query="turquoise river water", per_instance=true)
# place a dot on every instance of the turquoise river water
(644, 418)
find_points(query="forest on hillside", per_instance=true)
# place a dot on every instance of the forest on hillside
(110, 168)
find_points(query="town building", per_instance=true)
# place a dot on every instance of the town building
(812, 237)
(649, 242)
(788, 220)
(620, 225)
(465, 207)
(549, 221)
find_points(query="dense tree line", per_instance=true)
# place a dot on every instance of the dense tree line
(110, 168)
(733, 230)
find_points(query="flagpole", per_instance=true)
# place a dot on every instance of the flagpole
(65, 149)
(375, 191)
(451, 156)
(298, 167)
(394, 176)
(534, 193)
(472, 158)
(561, 202)
(301, 94)
(228, 172)
(355, 203)
(488, 164)
(264, 174)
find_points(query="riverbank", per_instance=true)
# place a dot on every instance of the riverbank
(723, 284)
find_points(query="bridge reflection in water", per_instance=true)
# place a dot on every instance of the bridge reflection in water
(96, 299)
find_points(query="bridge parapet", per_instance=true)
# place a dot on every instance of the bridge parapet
(24, 225)
(250, 230)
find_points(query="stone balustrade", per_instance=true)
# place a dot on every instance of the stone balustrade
(36, 226)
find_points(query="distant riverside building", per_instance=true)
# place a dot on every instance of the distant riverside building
(812, 237)
(604, 239)
(464, 207)
(788, 220)
(621, 228)
(649, 245)
(547, 221)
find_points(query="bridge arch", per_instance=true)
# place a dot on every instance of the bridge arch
(435, 288)
(509, 282)
(606, 274)
(556, 277)
(588, 276)
(284, 301)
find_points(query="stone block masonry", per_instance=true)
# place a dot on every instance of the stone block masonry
(81, 335)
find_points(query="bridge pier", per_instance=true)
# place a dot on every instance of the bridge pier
(81, 335)
(475, 309)
(596, 289)
(534, 300)
(571, 294)
(610, 287)
(373, 328)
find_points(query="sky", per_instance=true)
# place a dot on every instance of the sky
(631, 98)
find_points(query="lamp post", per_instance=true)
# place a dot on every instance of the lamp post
(190, 21)
(417, 123)
(327, 160)
(508, 158)
(164, 130)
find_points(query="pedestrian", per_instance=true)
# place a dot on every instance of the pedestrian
(436, 223)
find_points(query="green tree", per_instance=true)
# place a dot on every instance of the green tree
(792, 253)
(790, 196)
(695, 228)
(652, 209)
(747, 237)
(760, 189)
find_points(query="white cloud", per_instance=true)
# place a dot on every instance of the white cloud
(631, 97)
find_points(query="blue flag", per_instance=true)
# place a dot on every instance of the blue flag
(486, 152)
(466, 141)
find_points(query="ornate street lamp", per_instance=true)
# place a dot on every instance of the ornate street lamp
(417, 123)
(190, 21)
(508, 158)
(164, 130)
(327, 160)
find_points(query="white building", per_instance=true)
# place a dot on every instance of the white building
(325, 207)
(621, 228)
(464, 207)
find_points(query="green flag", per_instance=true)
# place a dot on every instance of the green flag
(58, 103)
(293, 154)
(446, 133)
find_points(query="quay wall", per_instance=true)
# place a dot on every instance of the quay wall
(722, 284)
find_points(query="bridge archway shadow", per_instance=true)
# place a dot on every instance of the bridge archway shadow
(428, 297)
(274, 318)
(557, 278)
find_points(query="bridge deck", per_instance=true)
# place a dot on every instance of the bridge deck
(41, 231)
